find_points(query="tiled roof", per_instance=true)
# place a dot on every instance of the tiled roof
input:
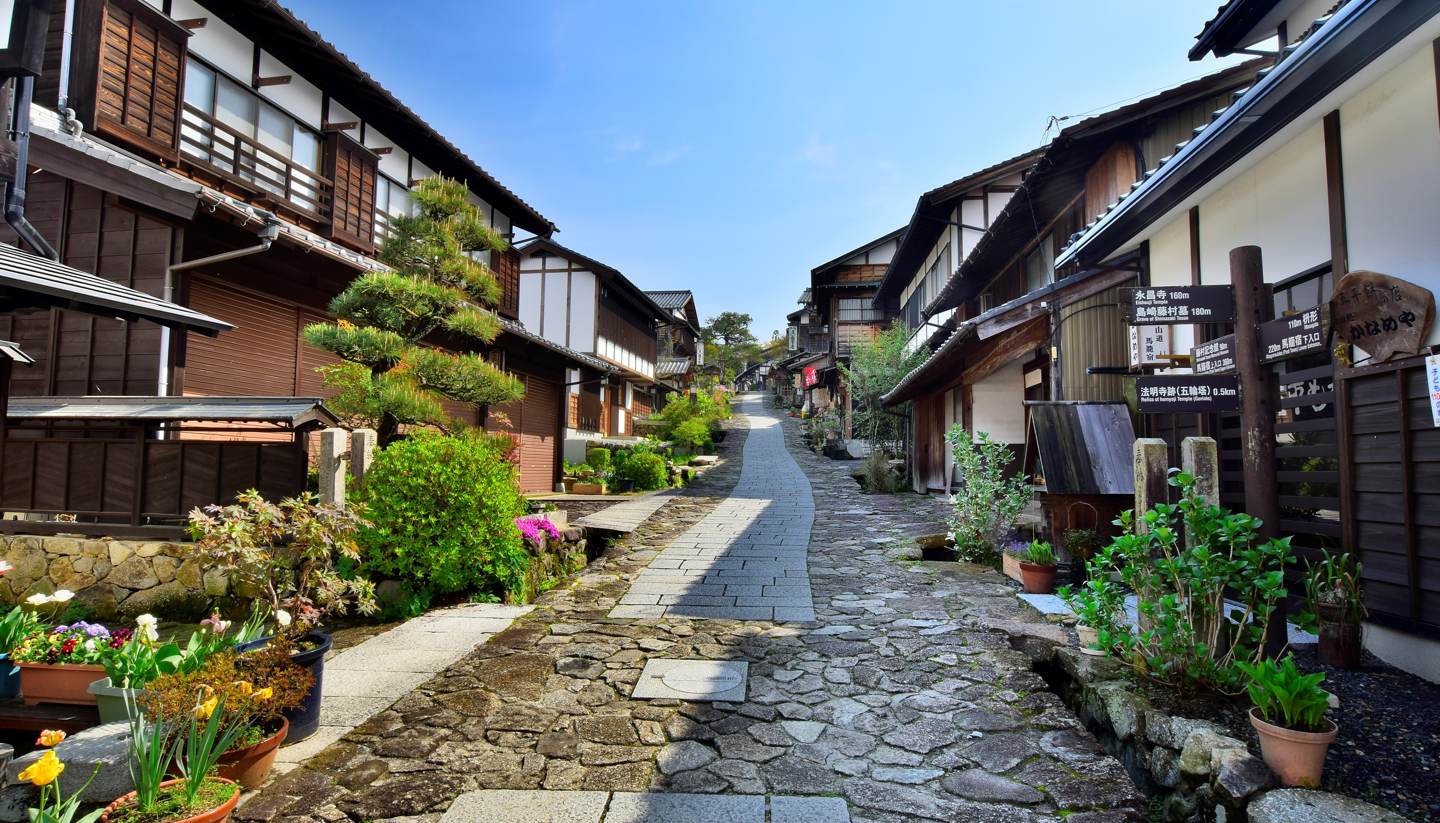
(671, 299)
(672, 366)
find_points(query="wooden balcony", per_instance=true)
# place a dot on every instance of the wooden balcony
(211, 147)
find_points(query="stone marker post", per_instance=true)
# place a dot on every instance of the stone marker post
(1151, 477)
(332, 466)
(362, 452)
(1199, 458)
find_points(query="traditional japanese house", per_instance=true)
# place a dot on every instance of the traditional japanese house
(807, 346)
(224, 155)
(1020, 328)
(585, 305)
(679, 349)
(1330, 164)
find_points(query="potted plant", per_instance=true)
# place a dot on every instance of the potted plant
(198, 795)
(1289, 716)
(1337, 601)
(131, 667)
(287, 552)
(17, 624)
(1037, 568)
(1081, 544)
(58, 666)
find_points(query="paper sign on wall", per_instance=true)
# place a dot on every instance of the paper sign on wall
(1432, 381)
(1149, 346)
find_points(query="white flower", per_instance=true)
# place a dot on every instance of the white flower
(282, 617)
(146, 625)
(90, 644)
(38, 599)
(5, 566)
(62, 595)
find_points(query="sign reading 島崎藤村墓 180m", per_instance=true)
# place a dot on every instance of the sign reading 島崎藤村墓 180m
(1187, 393)
(1381, 315)
(1179, 304)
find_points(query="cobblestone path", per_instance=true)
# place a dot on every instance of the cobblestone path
(745, 559)
(906, 698)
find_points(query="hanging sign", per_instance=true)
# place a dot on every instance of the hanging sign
(1287, 337)
(812, 377)
(1215, 356)
(1382, 315)
(1432, 382)
(1180, 304)
(1187, 393)
(1149, 346)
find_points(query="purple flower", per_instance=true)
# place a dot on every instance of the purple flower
(531, 528)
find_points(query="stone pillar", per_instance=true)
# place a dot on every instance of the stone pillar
(332, 466)
(1199, 458)
(362, 451)
(1151, 476)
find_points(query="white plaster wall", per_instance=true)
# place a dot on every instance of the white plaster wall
(299, 98)
(217, 43)
(582, 311)
(392, 165)
(972, 213)
(555, 323)
(530, 300)
(419, 171)
(997, 402)
(340, 114)
(1391, 149)
(882, 254)
(1278, 204)
(1170, 266)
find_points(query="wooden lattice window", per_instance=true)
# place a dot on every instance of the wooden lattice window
(130, 69)
(353, 170)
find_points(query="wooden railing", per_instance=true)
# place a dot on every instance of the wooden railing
(241, 160)
(591, 411)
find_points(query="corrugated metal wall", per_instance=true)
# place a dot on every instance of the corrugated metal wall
(1178, 127)
(1092, 333)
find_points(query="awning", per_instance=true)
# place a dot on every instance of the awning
(1084, 448)
(28, 281)
(293, 411)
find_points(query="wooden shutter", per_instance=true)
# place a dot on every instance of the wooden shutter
(130, 69)
(533, 422)
(352, 169)
(259, 357)
(507, 272)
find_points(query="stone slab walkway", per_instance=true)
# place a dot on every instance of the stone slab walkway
(508, 806)
(625, 517)
(365, 679)
(909, 701)
(746, 560)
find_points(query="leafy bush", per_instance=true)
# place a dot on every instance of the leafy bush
(693, 434)
(644, 470)
(598, 458)
(987, 504)
(442, 511)
(877, 475)
(706, 408)
(1185, 637)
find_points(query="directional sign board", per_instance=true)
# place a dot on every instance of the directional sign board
(1287, 337)
(1215, 356)
(1179, 304)
(1187, 394)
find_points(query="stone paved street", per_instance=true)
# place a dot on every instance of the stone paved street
(906, 697)
(746, 559)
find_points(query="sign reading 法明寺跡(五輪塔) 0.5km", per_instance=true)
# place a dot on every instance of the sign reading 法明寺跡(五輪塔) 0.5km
(1186, 393)
(1179, 304)
(1292, 336)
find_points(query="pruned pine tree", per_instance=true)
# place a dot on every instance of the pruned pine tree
(392, 376)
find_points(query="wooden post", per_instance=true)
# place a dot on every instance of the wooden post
(1151, 477)
(1200, 459)
(332, 466)
(1258, 398)
(362, 452)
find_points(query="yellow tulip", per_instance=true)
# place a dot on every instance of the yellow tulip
(43, 771)
(50, 737)
(245, 687)
(264, 694)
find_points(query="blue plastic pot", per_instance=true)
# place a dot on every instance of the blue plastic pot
(9, 678)
(305, 718)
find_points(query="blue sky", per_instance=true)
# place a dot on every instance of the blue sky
(728, 147)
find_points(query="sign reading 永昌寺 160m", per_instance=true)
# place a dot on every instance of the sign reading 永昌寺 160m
(1187, 393)
(1381, 315)
(1179, 304)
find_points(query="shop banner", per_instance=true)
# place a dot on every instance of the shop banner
(1432, 381)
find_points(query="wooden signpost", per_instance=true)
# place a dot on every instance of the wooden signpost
(1214, 357)
(1179, 304)
(1381, 315)
(1292, 336)
(1187, 393)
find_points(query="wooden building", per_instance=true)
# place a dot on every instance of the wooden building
(680, 352)
(582, 304)
(1330, 164)
(225, 155)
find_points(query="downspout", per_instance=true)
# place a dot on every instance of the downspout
(15, 189)
(269, 231)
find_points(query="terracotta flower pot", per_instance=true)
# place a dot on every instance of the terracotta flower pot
(1037, 579)
(217, 815)
(1297, 758)
(67, 683)
(251, 765)
(1341, 641)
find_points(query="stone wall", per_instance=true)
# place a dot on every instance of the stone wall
(116, 578)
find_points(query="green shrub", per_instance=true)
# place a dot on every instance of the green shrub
(599, 459)
(693, 434)
(644, 470)
(442, 511)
